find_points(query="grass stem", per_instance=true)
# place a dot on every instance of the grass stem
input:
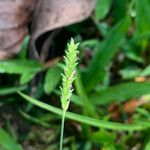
(62, 130)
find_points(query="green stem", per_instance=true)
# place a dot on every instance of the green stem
(62, 130)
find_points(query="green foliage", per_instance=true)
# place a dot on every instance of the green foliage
(24, 48)
(103, 136)
(113, 54)
(121, 92)
(7, 142)
(119, 10)
(52, 78)
(147, 145)
(132, 72)
(89, 107)
(102, 8)
(87, 120)
(11, 90)
(102, 58)
(26, 68)
(117, 93)
(142, 19)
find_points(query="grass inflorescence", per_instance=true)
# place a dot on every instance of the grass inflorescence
(67, 79)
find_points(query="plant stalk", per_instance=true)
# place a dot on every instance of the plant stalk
(62, 130)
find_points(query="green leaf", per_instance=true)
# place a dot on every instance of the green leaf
(142, 19)
(103, 136)
(117, 93)
(11, 90)
(146, 71)
(7, 142)
(132, 53)
(103, 28)
(19, 66)
(34, 119)
(119, 10)
(92, 43)
(142, 36)
(26, 77)
(102, 8)
(121, 92)
(87, 120)
(130, 72)
(26, 68)
(147, 147)
(24, 48)
(52, 78)
(103, 56)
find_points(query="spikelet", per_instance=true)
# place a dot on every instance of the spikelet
(69, 74)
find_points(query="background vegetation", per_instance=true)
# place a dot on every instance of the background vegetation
(111, 102)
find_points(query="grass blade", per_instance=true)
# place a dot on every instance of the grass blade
(121, 92)
(102, 58)
(11, 90)
(86, 120)
(118, 93)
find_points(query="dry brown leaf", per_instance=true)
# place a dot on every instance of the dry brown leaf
(53, 14)
(130, 106)
(114, 111)
(14, 17)
(48, 15)
(140, 79)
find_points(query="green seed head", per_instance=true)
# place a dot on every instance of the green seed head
(69, 74)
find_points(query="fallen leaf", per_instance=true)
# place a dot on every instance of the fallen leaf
(130, 106)
(48, 15)
(140, 79)
(114, 111)
(53, 14)
(14, 18)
